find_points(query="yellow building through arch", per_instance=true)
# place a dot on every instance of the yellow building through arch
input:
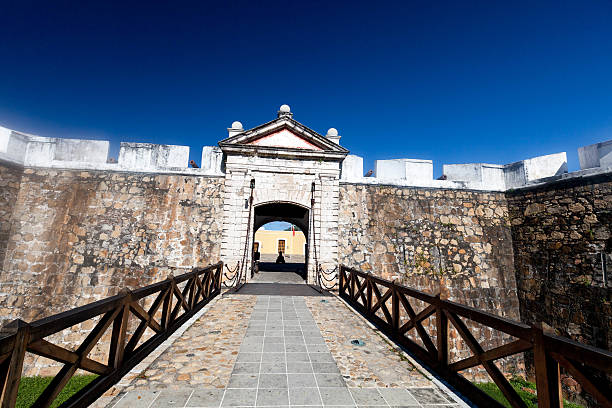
(270, 243)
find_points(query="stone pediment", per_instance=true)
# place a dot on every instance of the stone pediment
(283, 135)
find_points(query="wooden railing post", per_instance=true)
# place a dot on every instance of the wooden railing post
(442, 333)
(369, 294)
(395, 311)
(14, 365)
(167, 306)
(219, 276)
(548, 380)
(117, 346)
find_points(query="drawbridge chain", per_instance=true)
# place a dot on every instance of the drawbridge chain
(324, 279)
(236, 276)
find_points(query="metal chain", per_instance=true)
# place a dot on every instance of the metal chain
(246, 240)
(322, 280)
(232, 280)
(314, 234)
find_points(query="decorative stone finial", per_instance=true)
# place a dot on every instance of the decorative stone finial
(235, 129)
(332, 134)
(285, 110)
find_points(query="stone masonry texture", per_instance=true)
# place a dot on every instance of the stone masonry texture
(70, 237)
(454, 242)
(79, 236)
(10, 179)
(562, 238)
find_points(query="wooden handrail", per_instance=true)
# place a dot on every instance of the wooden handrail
(370, 294)
(115, 312)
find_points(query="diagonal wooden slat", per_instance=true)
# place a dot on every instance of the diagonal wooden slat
(381, 302)
(11, 368)
(4, 357)
(360, 290)
(200, 289)
(47, 397)
(135, 338)
(417, 324)
(422, 315)
(145, 316)
(181, 303)
(496, 375)
(601, 392)
(506, 350)
(52, 351)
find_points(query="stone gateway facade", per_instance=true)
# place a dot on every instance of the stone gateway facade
(520, 240)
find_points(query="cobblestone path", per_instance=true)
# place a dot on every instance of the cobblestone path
(279, 351)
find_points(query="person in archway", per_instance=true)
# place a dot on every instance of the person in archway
(281, 258)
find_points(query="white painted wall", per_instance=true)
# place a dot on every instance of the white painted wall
(352, 168)
(212, 160)
(596, 155)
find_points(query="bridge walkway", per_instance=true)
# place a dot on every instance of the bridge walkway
(278, 350)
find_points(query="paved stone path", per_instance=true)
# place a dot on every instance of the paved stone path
(279, 357)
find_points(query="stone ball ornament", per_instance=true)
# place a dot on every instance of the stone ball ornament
(285, 108)
(236, 125)
(332, 132)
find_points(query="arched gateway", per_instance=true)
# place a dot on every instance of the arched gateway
(281, 170)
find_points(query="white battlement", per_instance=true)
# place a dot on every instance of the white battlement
(36, 151)
(596, 155)
(594, 159)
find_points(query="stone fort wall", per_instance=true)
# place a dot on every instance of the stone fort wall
(75, 236)
(78, 236)
(10, 180)
(562, 240)
(458, 243)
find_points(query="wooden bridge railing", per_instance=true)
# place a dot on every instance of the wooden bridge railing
(177, 306)
(371, 296)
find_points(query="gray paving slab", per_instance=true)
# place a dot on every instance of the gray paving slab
(304, 396)
(336, 396)
(367, 396)
(272, 397)
(272, 381)
(175, 398)
(398, 397)
(428, 396)
(206, 398)
(239, 397)
(137, 399)
(302, 380)
(296, 367)
(273, 368)
(243, 381)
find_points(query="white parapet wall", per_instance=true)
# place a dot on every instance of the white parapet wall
(491, 175)
(212, 160)
(146, 156)
(596, 155)
(502, 177)
(352, 168)
(419, 172)
(30, 150)
(36, 151)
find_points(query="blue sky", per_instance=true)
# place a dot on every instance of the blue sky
(451, 81)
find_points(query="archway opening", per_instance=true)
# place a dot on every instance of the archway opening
(280, 242)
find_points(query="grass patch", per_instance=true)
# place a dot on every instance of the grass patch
(30, 389)
(531, 400)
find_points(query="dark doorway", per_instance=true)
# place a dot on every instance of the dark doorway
(282, 257)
